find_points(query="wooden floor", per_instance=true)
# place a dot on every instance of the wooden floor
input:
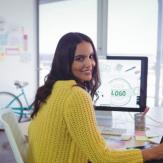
(6, 155)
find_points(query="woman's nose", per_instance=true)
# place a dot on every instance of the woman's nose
(88, 62)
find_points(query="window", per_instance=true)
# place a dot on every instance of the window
(129, 29)
(60, 17)
(132, 30)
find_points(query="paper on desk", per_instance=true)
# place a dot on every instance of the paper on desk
(141, 138)
(126, 137)
(140, 135)
(156, 139)
(115, 144)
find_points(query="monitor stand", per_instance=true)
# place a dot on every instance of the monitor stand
(104, 118)
(105, 124)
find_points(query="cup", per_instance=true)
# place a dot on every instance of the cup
(139, 122)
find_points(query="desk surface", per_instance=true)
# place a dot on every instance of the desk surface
(154, 127)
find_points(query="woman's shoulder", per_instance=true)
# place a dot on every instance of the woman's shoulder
(79, 90)
(70, 84)
(79, 93)
(65, 83)
(72, 87)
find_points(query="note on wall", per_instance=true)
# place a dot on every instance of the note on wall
(13, 39)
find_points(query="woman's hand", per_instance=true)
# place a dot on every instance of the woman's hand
(154, 153)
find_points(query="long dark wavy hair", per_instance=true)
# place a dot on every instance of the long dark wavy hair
(61, 68)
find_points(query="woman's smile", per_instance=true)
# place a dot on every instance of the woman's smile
(84, 63)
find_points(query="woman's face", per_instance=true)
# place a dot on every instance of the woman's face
(84, 62)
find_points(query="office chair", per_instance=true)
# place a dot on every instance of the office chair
(15, 137)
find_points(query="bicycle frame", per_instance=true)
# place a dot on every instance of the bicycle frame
(24, 95)
(17, 102)
(19, 95)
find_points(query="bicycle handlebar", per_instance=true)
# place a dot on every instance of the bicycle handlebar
(20, 84)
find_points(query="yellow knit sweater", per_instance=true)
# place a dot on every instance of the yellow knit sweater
(64, 131)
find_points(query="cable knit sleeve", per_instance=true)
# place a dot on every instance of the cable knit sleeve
(81, 123)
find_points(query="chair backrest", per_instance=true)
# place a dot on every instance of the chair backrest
(14, 134)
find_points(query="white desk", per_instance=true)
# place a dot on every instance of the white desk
(154, 127)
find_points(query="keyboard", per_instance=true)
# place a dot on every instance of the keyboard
(112, 131)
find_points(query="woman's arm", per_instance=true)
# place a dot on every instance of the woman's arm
(81, 122)
(154, 153)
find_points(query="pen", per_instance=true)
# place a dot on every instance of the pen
(130, 68)
(137, 147)
(150, 137)
(145, 111)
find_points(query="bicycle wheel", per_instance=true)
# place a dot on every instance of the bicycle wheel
(11, 101)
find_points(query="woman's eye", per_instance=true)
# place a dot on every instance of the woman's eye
(79, 59)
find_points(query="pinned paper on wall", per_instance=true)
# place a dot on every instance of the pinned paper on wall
(13, 39)
(1, 57)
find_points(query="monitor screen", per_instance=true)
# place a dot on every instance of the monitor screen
(123, 84)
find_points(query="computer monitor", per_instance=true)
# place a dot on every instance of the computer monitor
(123, 84)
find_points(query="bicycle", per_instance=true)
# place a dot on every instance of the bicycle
(10, 100)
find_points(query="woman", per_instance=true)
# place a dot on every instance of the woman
(63, 129)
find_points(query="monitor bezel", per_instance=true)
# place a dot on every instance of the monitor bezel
(143, 85)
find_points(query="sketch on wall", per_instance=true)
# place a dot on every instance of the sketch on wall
(13, 39)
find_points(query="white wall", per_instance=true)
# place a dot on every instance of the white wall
(18, 56)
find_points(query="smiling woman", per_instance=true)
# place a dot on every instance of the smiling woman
(63, 127)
